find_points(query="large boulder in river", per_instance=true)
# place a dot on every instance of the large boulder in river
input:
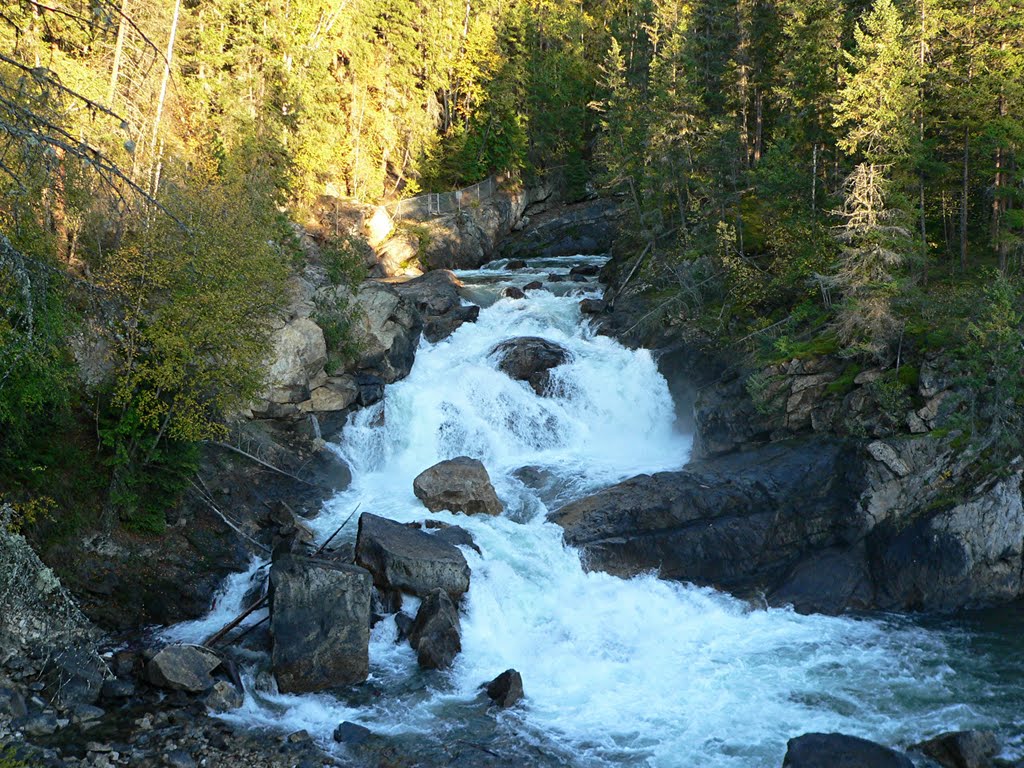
(739, 522)
(458, 485)
(320, 621)
(435, 634)
(530, 359)
(836, 750)
(821, 524)
(408, 560)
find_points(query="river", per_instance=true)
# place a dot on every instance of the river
(636, 672)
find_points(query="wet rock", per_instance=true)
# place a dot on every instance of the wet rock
(835, 750)
(435, 633)
(738, 522)
(403, 623)
(183, 668)
(371, 389)
(409, 560)
(459, 485)
(456, 535)
(436, 297)
(530, 359)
(535, 285)
(556, 278)
(12, 703)
(592, 306)
(320, 621)
(587, 270)
(513, 293)
(515, 264)
(224, 697)
(436, 329)
(961, 749)
(506, 689)
(352, 734)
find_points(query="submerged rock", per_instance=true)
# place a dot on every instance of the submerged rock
(535, 285)
(506, 689)
(409, 560)
(320, 621)
(530, 359)
(458, 485)
(836, 750)
(513, 293)
(961, 749)
(435, 634)
(183, 668)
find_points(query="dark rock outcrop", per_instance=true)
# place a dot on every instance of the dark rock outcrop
(435, 633)
(506, 689)
(530, 359)
(409, 560)
(739, 522)
(183, 668)
(961, 749)
(587, 227)
(436, 297)
(836, 750)
(458, 485)
(965, 554)
(320, 621)
(822, 524)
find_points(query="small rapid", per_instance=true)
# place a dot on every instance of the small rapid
(617, 672)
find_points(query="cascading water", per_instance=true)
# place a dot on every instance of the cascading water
(617, 672)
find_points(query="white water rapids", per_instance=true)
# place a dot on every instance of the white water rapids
(616, 672)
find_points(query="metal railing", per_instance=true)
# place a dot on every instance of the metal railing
(433, 204)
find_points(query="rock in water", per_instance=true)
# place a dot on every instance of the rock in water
(320, 621)
(530, 359)
(352, 734)
(459, 485)
(224, 697)
(961, 749)
(835, 750)
(183, 668)
(435, 633)
(586, 270)
(513, 293)
(409, 560)
(506, 689)
(536, 285)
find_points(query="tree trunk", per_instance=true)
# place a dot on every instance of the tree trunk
(118, 50)
(963, 199)
(163, 93)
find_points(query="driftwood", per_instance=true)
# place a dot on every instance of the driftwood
(261, 462)
(220, 633)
